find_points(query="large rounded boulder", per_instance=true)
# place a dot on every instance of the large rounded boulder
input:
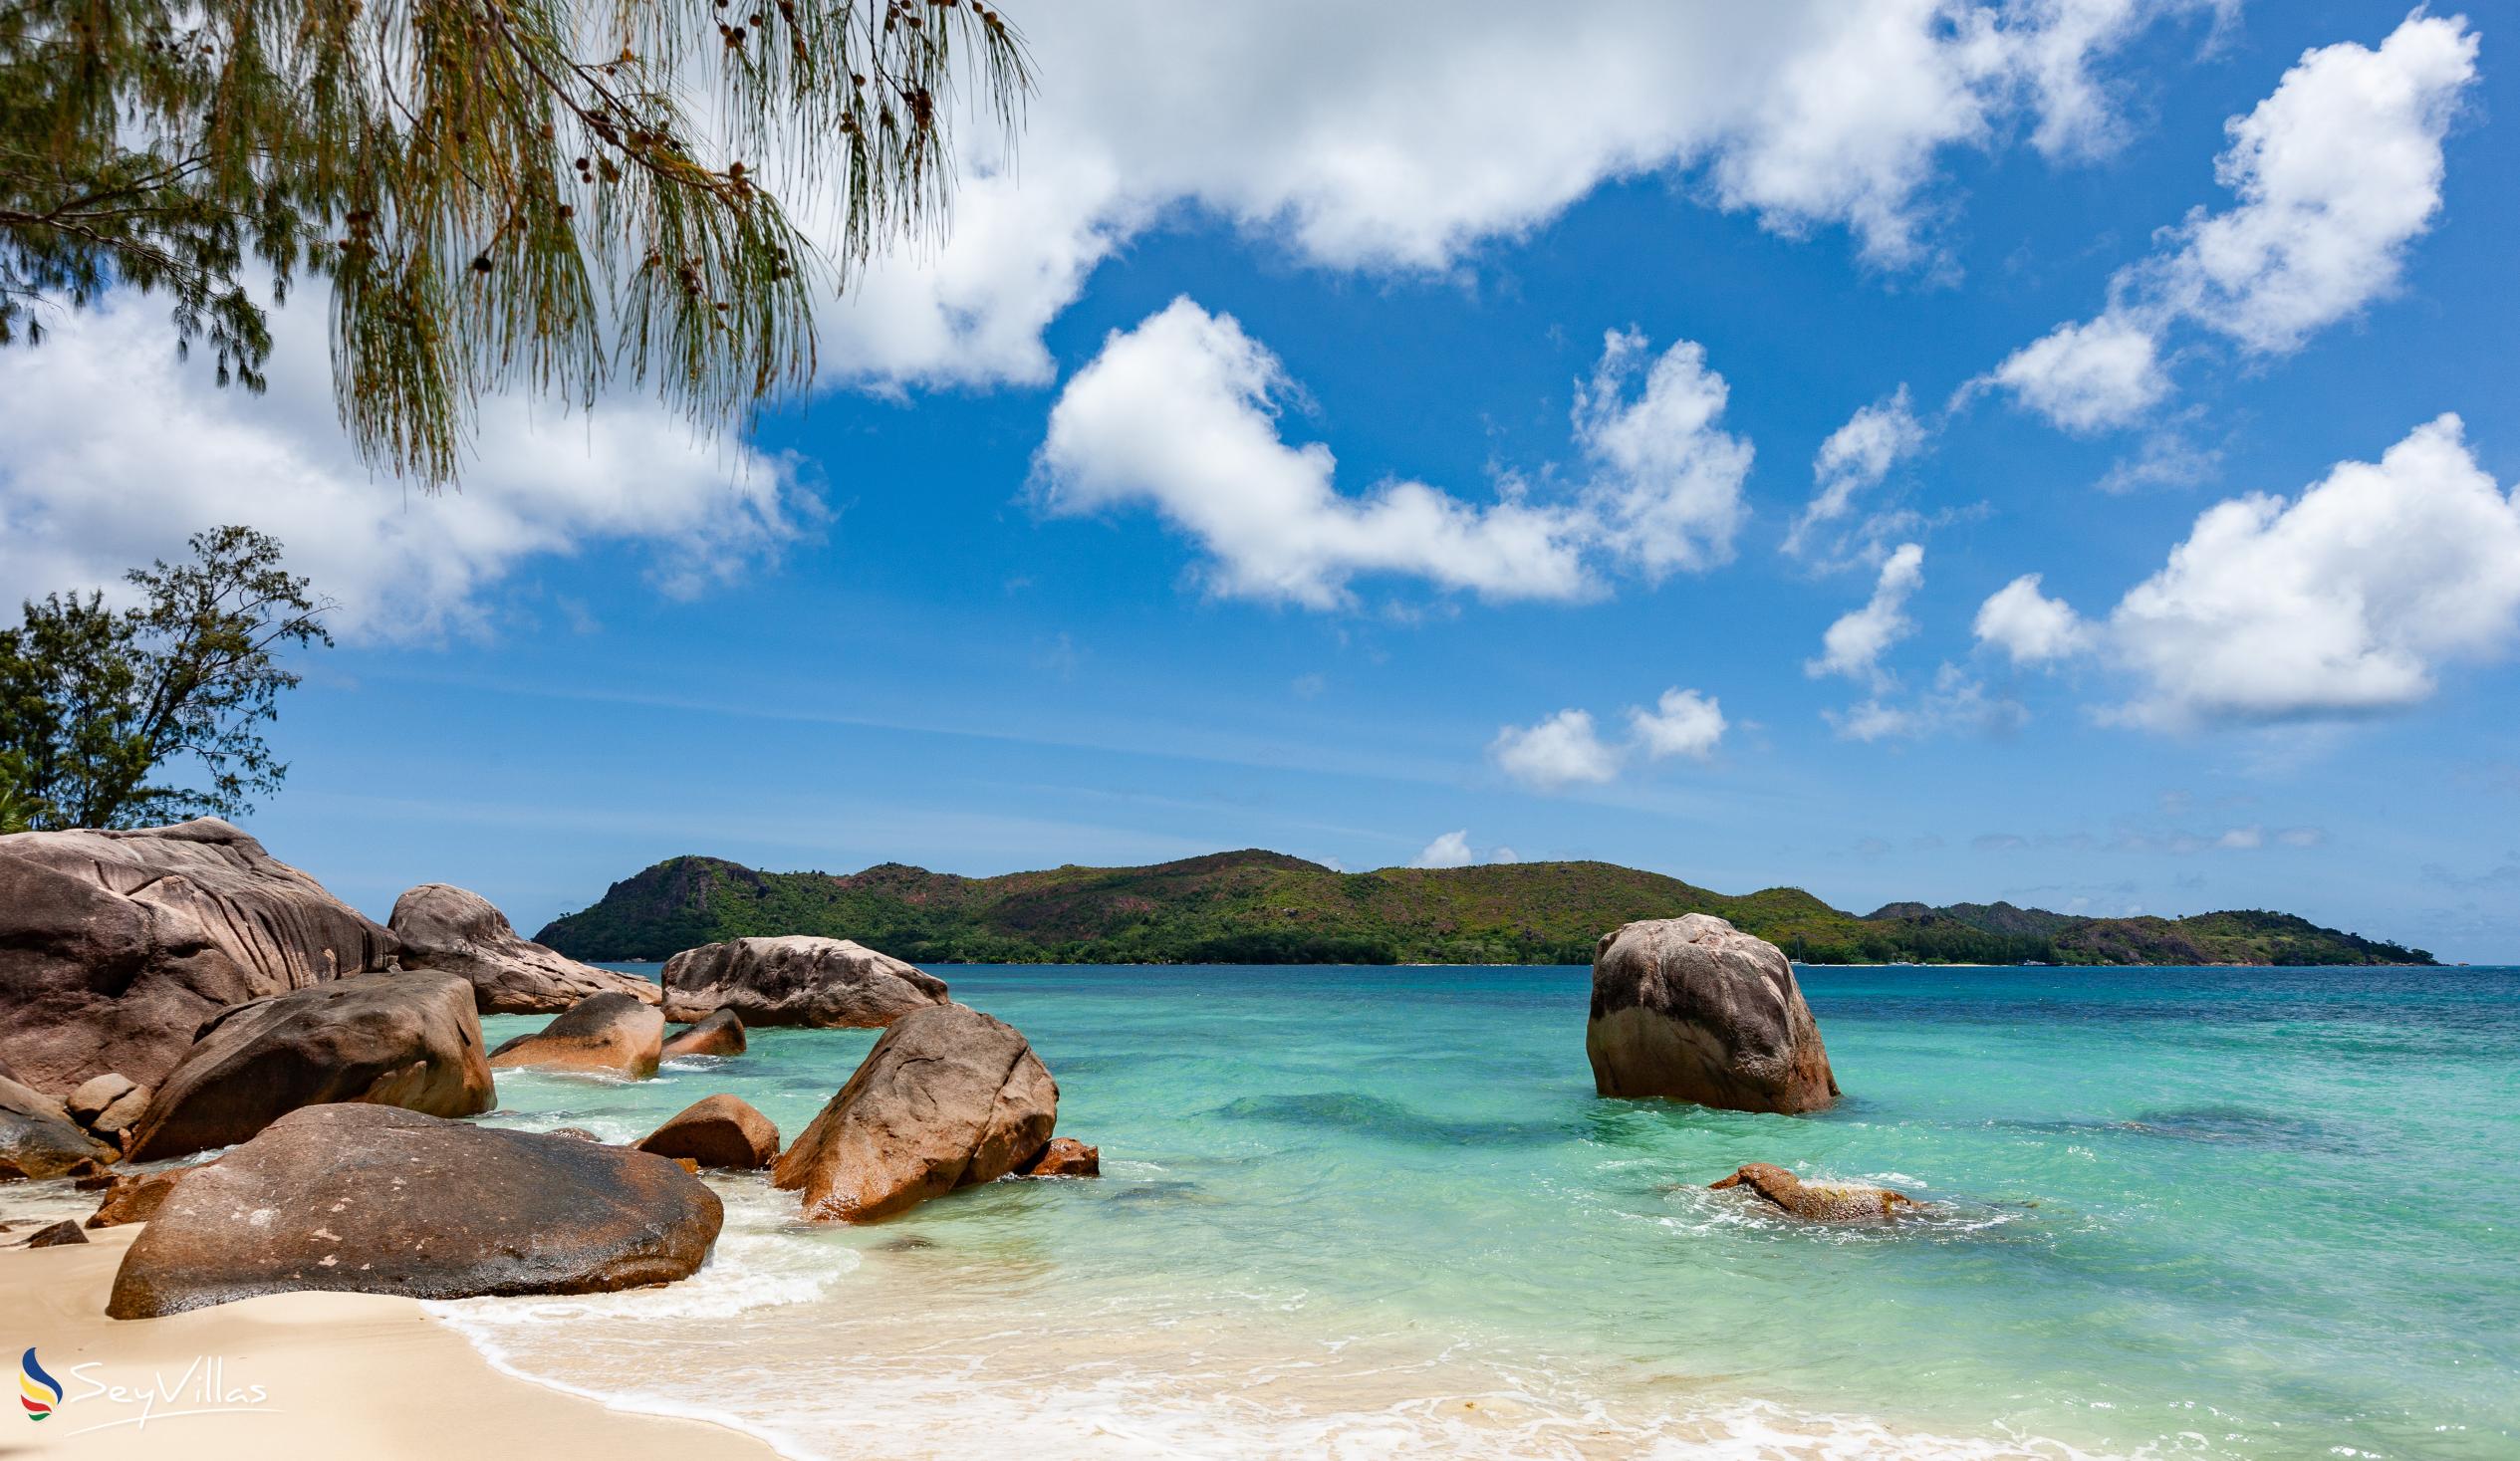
(407, 1039)
(948, 1098)
(442, 926)
(823, 983)
(38, 1138)
(1693, 1009)
(603, 1033)
(115, 946)
(717, 1131)
(376, 1200)
(722, 1033)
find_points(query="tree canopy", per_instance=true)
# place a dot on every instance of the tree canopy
(96, 702)
(502, 194)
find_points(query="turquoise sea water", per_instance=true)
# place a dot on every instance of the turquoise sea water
(1378, 1211)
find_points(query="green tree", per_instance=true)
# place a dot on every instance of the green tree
(504, 193)
(96, 702)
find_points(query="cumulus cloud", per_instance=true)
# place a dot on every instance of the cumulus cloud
(117, 453)
(1567, 749)
(2334, 175)
(1853, 646)
(2085, 377)
(1855, 459)
(1405, 147)
(2029, 625)
(1682, 723)
(1560, 751)
(1453, 850)
(1183, 415)
(1667, 490)
(2345, 601)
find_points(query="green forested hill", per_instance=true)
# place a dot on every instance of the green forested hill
(1266, 908)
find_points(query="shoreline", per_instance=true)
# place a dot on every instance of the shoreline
(365, 1374)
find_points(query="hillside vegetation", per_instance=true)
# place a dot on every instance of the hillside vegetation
(1257, 908)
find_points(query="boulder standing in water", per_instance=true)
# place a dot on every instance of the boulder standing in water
(720, 1034)
(446, 927)
(39, 1140)
(824, 983)
(1695, 1009)
(399, 1039)
(115, 946)
(1819, 1202)
(608, 1033)
(717, 1131)
(947, 1099)
(375, 1200)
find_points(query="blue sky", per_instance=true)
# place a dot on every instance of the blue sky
(1062, 584)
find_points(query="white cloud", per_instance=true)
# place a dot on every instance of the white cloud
(1558, 752)
(1407, 145)
(1682, 723)
(1453, 850)
(1183, 415)
(117, 453)
(2334, 175)
(2029, 625)
(1855, 459)
(1853, 646)
(2345, 601)
(1669, 490)
(2087, 376)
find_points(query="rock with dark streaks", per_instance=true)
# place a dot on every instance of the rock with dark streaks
(1693, 1009)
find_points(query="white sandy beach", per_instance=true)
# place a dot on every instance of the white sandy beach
(294, 1375)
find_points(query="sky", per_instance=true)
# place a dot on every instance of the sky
(2061, 452)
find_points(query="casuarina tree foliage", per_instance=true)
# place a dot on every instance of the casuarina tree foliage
(541, 194)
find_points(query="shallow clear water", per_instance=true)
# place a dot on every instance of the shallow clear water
(1377, 1211)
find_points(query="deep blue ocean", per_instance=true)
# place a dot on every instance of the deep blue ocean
(1378, 1211)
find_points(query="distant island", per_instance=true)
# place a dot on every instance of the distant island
(1260, 907)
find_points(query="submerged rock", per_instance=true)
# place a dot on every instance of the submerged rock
(375, 1200)
(823, 983)
(442, 926)
(1693, 1009)
(39, 1140)
(115, 946)
(948, 1098)
(1066, 1156)
(401, 1040)
(610, 1032)
(722, 1033)
(717, 1131)
(1819, 1202)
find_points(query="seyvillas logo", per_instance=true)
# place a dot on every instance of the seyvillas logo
(38, 1391)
